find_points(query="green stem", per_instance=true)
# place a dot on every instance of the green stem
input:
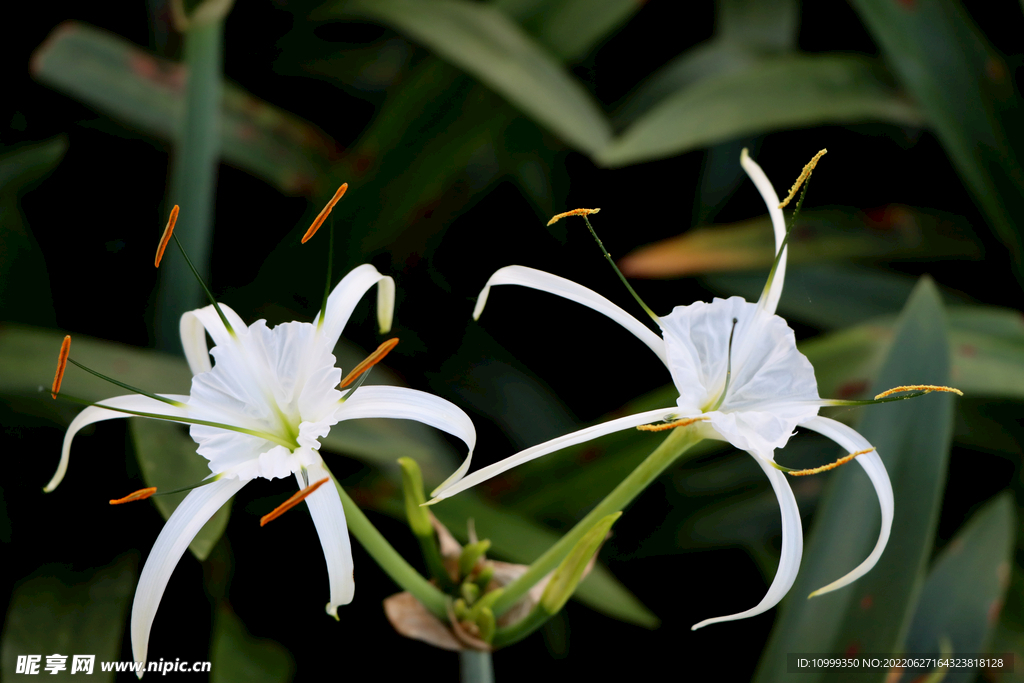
(476, 666)
(193, 177)
(389, 560)
(677, 443)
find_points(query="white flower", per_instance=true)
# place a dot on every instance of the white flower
(277, 389)
(739, 373)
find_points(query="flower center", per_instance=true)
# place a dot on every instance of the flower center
(728, 373)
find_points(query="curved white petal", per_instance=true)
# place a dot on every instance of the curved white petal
(193, 328)
(764, 186)
(567, 289)
(409, 404)
(792, 548)
(456, 484)
(329, 519)
(849, 439)
(95, 414)
(186, 521)
(347, 294)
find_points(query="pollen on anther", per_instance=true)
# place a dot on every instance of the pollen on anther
(574, 212)
(292, 502)
(166, 237)
(804, 175)
(62, 364)
(831, 466)
(322, 216)
(371, 360)
(926, 388)
(685, 422)
(141, 494)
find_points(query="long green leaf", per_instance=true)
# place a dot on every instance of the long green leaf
(570, 28)
(912, 438)
(235, 655)
(965, 588)
(82, 614)
(482, 41)
(773, 94)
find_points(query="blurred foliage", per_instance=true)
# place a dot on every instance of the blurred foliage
(462, 126)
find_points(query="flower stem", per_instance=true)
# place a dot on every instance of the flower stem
(389, 560)
(476, 666)
(677, 443)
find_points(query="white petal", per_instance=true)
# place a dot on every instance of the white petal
(329, 518)
(347, 294)
(456, 484)
(567, 289)
(792, 548)
(409, 404)
(186, 521)
(193, 328)
(94, 414)
(849, 439)
(764, 186)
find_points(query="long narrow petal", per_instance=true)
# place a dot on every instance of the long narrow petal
(764, 186)
(329, 519)
(347, 294)
(792, 548)
(456, 483)
(567, 289)
(93, 414)
(849, 439)
(193, 328)
(409, 404)
(186, 521)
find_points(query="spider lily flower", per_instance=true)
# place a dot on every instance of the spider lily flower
(740, 379)
(258, 412)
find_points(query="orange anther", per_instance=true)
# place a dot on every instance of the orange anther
(292, 502)
(831, 466)
(371, 360)
(685, 422)
(322, 216)
(574, 212)
(62, 363)
(166, 237)
(141, 494)
(926, 388)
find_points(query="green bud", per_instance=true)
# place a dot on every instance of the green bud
(461, 611)
(470, 592)
(568, 575)
(484, 577)
(412, 487)
(486, 623)
(485, 602)
(470, 554)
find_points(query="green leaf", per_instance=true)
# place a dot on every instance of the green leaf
(168, 459)
(912, 438)
(145, 93)
(26, 164)
(773, 94)
(766, 25)
(78, 614)
(571, 28)
(965, 588)
(964, 88)
(485, 43)
(235, 655)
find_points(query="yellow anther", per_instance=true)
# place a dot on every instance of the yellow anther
(62, 364)
(322, 216)
(141, 494)
(804, 175)
(685, 422)
(291, 502)
(371, 360)
(831, 466)
(574, 212)
(926, 388)
(166, 237)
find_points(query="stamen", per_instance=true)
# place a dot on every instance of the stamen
(141, 494)
(926, 388)
(62, 364)
(319, 220)
(728, 368)
(371, 360)
(685, 422)
(804, 175)
(166, 238)
(824, 468)
(291, 502)
(574, 212)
